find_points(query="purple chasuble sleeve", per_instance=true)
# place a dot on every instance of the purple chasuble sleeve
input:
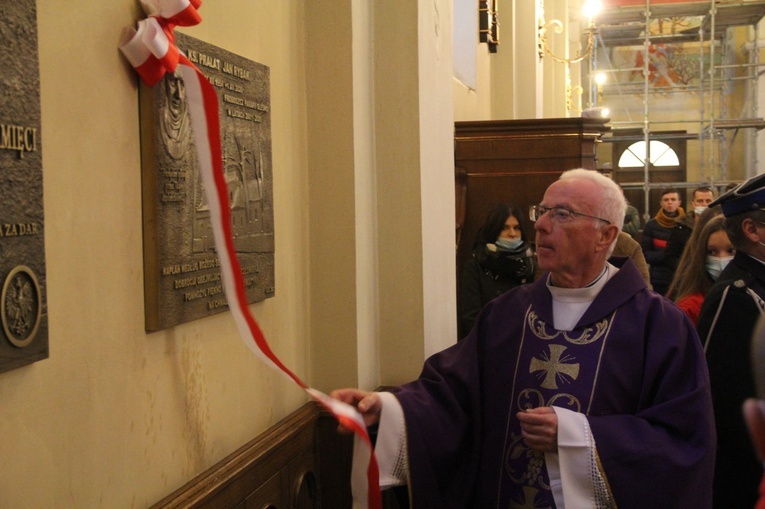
(633, 366)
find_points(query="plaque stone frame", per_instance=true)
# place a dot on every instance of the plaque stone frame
(182, 280)
(23, 307)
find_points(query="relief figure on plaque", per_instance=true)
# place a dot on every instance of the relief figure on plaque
(174, 118)
(243, 171)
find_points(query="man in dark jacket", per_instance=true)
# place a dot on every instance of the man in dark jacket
(727, 318)
(754, 408)
(656, 233)
(701, 198)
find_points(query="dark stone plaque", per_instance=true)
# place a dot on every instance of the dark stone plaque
(23, 309)
(182, 278)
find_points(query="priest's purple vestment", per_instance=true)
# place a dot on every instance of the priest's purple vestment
(633, 366)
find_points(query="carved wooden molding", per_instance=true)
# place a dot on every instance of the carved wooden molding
(270, 471)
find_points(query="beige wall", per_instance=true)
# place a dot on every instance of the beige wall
(116, 417)
(514, 83)
(119, 418)
(363, 103)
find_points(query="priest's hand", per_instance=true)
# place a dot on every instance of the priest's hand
(368, 403)
(539, 427)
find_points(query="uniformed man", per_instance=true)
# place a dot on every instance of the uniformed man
(730, 311)
(754, 408)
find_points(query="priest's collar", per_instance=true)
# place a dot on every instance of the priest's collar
(570, 304)
(551, 283)
(588, 292)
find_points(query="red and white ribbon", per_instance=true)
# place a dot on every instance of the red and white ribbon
(151, 50)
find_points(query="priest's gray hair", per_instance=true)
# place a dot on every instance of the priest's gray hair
(612, 206)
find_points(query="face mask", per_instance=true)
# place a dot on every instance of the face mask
(509, 244)
(699, 210)
(715, 265)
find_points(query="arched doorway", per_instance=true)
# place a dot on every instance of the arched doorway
(665, 153)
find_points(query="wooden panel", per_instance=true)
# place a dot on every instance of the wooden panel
(514, 161)
(268, 471)
(334, 454)
(300, 463)
(269, 495)
(537, 149)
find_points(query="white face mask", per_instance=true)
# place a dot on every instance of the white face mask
(716, 264)
(510, 244)
(698, 210)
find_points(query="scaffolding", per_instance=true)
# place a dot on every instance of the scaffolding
(683, 52)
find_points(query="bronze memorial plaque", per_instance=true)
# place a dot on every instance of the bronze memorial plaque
(182, 278)
(23, 309)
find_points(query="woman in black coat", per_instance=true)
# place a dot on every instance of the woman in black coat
(502, 259)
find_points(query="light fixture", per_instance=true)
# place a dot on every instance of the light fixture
(600, 80)
(590, 10)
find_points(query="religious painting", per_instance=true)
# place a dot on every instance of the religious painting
(669, 66)
(182, 276)
(676, 63)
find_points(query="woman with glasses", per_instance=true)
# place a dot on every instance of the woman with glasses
(501, 259)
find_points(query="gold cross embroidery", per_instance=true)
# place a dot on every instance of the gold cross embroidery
(554, 365)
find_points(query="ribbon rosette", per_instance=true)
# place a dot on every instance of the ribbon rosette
(151, 50)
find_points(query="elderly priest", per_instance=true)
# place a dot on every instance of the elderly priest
(583, 389)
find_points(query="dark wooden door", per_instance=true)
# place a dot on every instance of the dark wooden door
(514, 161)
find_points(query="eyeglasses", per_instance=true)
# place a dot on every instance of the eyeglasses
(559, 214)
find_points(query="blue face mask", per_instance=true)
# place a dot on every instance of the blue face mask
(509, 244)
(715, 265)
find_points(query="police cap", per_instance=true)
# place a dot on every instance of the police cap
(747, 197)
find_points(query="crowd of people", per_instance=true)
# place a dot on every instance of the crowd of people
(595, 383)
